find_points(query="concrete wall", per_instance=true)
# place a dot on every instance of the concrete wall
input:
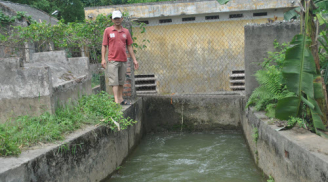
(194, 113)
(23, 90)
(93, 153)
(295, 155)
(39, 86)
(258, 41)
(189, 7)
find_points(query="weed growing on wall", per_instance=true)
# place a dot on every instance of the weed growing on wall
(27, 131)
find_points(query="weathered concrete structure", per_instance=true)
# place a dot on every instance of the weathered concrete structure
(295, 155)
(187, 7)
(194, 45)
(193, 113)
(33, 88)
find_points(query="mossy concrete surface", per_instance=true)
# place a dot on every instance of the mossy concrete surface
(89, 154)
(295, 155)
(193, 112)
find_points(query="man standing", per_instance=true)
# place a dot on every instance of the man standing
(115, 40)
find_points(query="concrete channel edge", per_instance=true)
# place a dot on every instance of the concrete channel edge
(89, 154)
(295, 155)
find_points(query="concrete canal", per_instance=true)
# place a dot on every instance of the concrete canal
(193, 157)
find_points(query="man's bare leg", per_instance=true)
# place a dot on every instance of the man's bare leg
(115, 92)
(120, 93)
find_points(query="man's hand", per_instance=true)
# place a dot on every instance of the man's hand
(103, 63)
(136, 65)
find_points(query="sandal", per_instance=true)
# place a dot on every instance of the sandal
(125, 102)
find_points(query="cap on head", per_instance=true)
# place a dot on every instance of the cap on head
(116, 14)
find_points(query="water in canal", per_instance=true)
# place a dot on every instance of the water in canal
(190, 157)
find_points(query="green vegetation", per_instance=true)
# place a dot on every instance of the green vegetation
(271, 81)
(6, 20)
(68, 10)
(300, 123)
(291, 84)
(27, 131)
(270, 179)
(73, 10)
(95, 80)
(255, 135)
(71, 37)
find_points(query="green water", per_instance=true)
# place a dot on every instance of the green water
(190, 157)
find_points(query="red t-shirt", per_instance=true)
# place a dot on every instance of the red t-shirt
(117, 41)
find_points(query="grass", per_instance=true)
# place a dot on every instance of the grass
(27, 131)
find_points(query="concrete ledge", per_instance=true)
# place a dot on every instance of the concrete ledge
(90, 154)
(295, 155)
(29, 82)
(193, 112)
(71, 91)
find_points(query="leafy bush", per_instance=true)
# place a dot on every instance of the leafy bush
(72, 37)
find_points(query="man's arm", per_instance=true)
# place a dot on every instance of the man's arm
(104, 50)
(130, 49)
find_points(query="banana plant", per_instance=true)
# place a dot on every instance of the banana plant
(319, 5)
(303, 78)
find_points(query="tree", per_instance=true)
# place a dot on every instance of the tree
(72, 11)
(69, 10)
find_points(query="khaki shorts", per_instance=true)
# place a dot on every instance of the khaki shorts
(116, 71)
